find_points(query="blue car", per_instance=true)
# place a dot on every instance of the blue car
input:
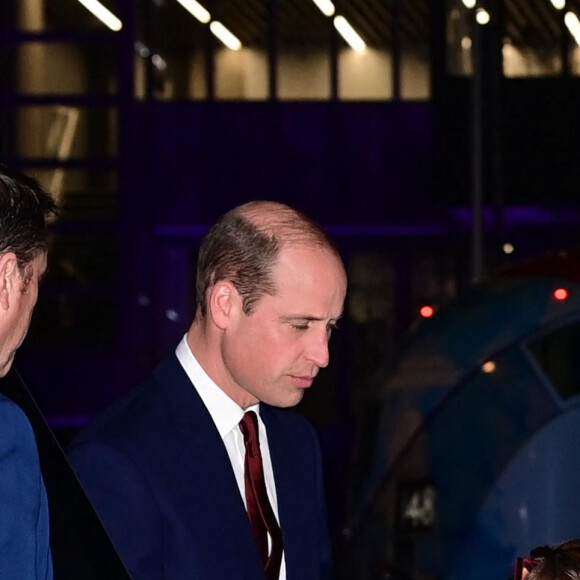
(477, 450)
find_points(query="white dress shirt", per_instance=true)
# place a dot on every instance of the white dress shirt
(226, 415)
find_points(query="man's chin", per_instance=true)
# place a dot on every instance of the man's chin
(291, 400)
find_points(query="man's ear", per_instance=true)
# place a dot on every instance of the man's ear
(9, 278)
(224, 301)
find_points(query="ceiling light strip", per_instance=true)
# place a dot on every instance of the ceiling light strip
(325, 6)
(219, 30)
(103, 14)
(482, 16)
(573, 24)
(349, 33)
(196, 10)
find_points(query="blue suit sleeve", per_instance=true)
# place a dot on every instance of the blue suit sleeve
(24, 525)
(125, 505)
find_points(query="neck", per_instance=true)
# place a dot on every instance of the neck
(205, 344)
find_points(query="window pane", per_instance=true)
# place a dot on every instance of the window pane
(366, 74)
(61, 15)
(242, 74)
(557, 355)
(573, 48)
(80, 193)
(78, 302)
(459, 38)
(179, 60)
(64, 132)
(414, 30)
(575, 60)
(304, 51)
(533, 39)
(66, 68)
(176, 54)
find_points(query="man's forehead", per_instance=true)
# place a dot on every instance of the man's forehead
(304, 251)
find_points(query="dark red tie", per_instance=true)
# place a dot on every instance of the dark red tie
(260, 511)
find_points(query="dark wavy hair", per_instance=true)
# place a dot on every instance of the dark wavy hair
(24, 208)
(243, 247)
(561, 562)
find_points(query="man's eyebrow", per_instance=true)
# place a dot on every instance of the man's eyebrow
(308, 318)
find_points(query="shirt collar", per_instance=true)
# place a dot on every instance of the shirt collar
(225, 412)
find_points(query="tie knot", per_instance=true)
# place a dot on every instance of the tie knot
(249, 429)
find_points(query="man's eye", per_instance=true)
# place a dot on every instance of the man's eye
(300, 326)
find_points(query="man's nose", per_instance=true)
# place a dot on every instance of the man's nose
(318, 349)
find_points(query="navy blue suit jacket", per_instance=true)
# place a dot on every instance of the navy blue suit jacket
(159, 476)
(24, 528)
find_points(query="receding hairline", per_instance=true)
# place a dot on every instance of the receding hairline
(288, 226)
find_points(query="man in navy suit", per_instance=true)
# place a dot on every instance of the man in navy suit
(166, 467)
(24, 529)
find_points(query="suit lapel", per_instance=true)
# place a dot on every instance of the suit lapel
(292, 491)
(209, 496)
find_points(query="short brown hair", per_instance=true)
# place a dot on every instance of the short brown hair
(243, 247)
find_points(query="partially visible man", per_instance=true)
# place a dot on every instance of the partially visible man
(24, 529)
(197, 473)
